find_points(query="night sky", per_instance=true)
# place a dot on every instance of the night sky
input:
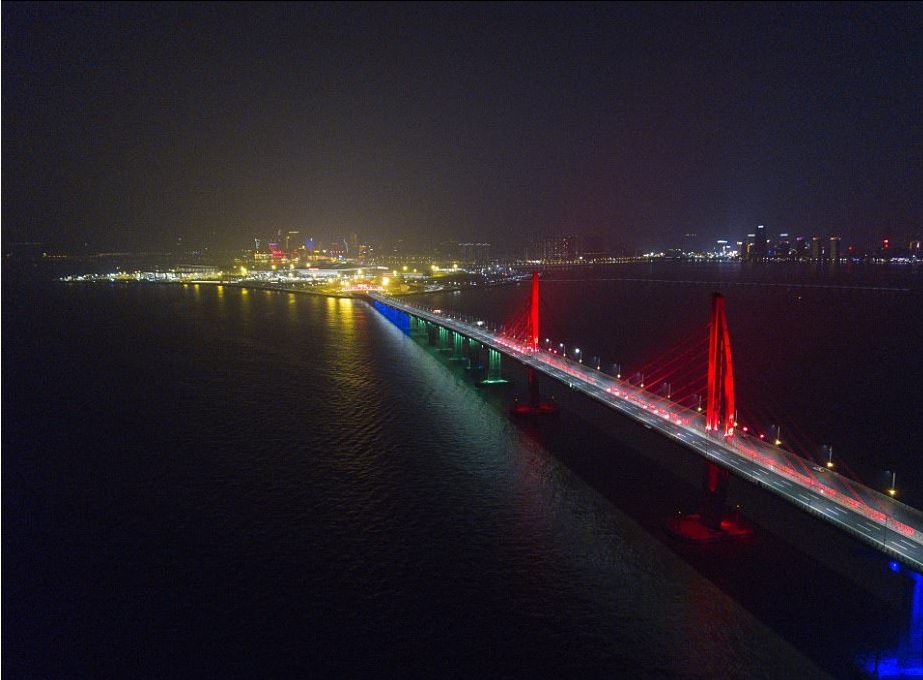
(129, 126)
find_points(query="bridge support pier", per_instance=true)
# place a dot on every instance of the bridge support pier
(445, 339)
(715, 487)
(535, 405)
(458, 347)
(714, 522)
(494, 374)
(473, 354)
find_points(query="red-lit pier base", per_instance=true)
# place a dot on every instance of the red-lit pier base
(714, 523)
(544, 409)
(691, 528)
(535, 407)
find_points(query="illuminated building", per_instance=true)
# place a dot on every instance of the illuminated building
(784, 249)
(760, 250)
(815, 248)
(474, 253)
(559, 249)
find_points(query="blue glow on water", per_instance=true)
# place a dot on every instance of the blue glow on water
(906, 661)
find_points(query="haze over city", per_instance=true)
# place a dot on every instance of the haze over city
(462, 340)
(133, 126)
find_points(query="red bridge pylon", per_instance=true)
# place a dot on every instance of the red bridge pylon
(713, 523)
(535, 406)
(719, 416)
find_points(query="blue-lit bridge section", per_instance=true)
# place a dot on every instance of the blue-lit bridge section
(396, 316)
(875, 518)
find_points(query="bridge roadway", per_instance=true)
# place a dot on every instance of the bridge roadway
(875, 518)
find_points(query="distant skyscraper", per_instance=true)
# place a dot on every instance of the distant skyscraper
(560, 249)
(760, 244)
(474, 253)
(915, 246)
(833, 254)
(815, 248)
(784, 249)
(291, 241)
(750, 247)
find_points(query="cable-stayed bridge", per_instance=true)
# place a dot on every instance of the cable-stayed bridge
(875, 518)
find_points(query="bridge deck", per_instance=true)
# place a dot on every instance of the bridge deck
(881, 521)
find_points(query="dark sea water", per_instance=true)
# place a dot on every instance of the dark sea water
(211, 482)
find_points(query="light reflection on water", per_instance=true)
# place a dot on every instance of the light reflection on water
(905, 659)
(291, 485)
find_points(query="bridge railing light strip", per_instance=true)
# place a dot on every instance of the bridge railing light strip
(890, 514)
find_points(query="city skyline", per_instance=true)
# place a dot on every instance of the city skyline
(132, 126)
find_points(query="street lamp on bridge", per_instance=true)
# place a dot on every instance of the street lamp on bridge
(668, 388)
(893, 490)
(579, 358)
(563, 349)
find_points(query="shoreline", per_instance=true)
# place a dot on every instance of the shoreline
(360, 295)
